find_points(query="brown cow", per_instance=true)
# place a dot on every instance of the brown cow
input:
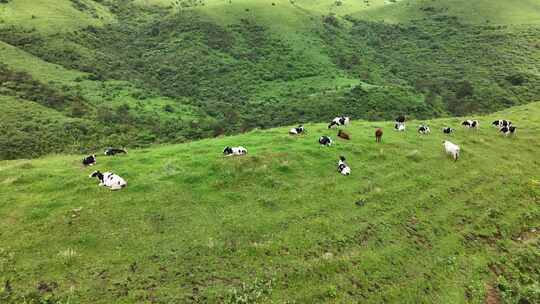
(343, 135)
(378, 135)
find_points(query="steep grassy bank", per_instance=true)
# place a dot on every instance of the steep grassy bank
(280, 225)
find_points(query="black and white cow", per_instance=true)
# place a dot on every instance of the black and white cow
(471, 124)
(114, 151)
(423, 129)
(325, 141)
(343, 168)
(502, 123)
(448, 130)
(339, 121)
(229, 151)
(298, 130)
(109, 180)
(508, 130)
(89, 160)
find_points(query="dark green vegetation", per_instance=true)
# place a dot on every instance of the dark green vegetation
(142, 73)
(280, 225)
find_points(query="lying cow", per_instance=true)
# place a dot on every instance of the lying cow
(343, 168)
(298, 130)
(423, 129)
(109, 180)
(89, 160)
(399, 126)
(448, 130)
(339, 121)
(325, 141)
(344, 135)
(114, 151)
(502, 123)
(471, 124)
(451, 149)
(508, 130)
(228, 151)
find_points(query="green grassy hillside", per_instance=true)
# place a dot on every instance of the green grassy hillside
(281, 225)
(157, 71)
(478, 12)
(154, 71)
(53, 17)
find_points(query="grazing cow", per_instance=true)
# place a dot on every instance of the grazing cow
(339, 121)
(325, 141)
(451, 149)
(448, 130)
(399, 126)
(400, 119)
(89, 160)
(109, 180)
(471, 124)
(228, 151)
(344, 135)
(502, 123)
(423, 129)
(378, 135)
(508, 130)
(114, 151)
(343, 168)
(298, 130)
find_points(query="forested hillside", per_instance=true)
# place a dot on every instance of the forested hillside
(131, 73)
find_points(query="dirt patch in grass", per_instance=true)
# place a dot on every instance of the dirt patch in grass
(529, 236)
(492, 295)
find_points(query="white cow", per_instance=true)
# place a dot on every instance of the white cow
(325, 141)
(508, 130)
(228, 151)
(471, 124)
(343, 168)
(109, 180)
(423, 129)
(298, 130)
(339, 121)
(451, 149)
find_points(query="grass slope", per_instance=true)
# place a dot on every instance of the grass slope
(476, 12)
(39, 69)
(281, 225)
(50, 17)
(479, 12)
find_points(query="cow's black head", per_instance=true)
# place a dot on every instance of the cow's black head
(97, 174)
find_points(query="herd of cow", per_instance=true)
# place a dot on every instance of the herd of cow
(107, 179)
(115, 182)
